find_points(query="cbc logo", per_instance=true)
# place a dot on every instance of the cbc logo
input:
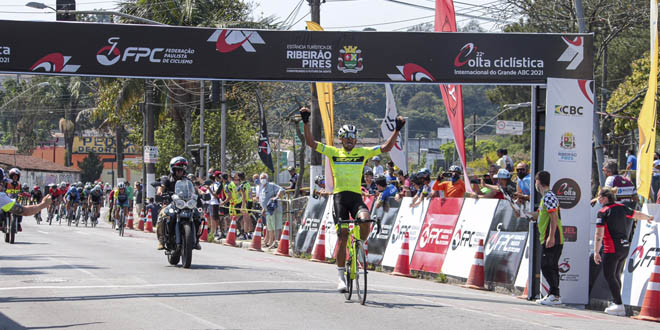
(568, 110)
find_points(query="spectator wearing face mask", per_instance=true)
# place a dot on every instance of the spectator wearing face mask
(454, 187)
(523, 187)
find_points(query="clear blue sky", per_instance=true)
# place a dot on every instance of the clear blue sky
(335, 14)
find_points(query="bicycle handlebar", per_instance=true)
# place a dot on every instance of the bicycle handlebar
(359, 221)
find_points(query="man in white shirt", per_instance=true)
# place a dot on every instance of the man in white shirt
(377, 168)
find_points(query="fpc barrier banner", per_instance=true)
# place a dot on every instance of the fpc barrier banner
(123, 50)
(409, 220)
(378, 243)
(311, 223)
(435, 237)
(505, 245)
(567, 156)
(472, 226)
(640, 263)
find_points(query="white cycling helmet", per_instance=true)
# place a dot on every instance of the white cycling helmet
(347, 130)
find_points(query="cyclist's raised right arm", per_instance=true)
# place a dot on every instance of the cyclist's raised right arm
(309, 138)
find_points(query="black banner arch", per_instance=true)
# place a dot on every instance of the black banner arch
(148, 51)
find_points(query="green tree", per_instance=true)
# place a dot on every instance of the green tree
(91, 168)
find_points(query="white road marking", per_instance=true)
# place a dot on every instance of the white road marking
(43, 232)
(133, 286)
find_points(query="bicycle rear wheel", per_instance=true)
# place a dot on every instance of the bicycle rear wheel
(121, 223)
(349, 281)
(361, 272)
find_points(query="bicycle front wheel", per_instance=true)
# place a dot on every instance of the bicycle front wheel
(349, 282)
(361, 272)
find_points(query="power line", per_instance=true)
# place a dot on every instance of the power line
(384, 23)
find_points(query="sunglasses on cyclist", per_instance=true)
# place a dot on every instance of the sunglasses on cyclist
(349, 136)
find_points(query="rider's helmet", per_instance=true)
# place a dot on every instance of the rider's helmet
(26, 187)
(62, 185)
(381, 180)
(455, 169)
(121, 185)
(88, 186)
(424, 173)
(79, 184)
(15, 171)
(320, 179)
(348, 131)
(35, 188)
(376, 159)
(97, 187)
(191, 177)
(178, 163)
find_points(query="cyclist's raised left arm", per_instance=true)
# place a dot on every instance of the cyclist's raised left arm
(389, 144)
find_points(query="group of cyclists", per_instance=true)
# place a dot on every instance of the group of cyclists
(68, 196)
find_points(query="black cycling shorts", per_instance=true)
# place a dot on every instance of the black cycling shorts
(348, 203)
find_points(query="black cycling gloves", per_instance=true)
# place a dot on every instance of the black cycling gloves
(399, 123)
(305, 116)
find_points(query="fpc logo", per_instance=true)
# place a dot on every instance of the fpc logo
(54, 62)
(227, 41)
(110, 54)
(574, 53)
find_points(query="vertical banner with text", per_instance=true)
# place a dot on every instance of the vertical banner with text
(568, 156)
(398, 153)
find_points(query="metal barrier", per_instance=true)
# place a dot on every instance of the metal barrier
(293, 209)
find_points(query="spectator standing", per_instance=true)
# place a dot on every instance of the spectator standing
(386, 191)
(424, 190)
(138, 198)
(611, 233)
(631, 160)
(294, 178)
(523, 186)
(504, 161)
(154, 208)
(551, 237)
(271, 209)
(369, 183)
(454, 187)
(377, 169)
(214, 205)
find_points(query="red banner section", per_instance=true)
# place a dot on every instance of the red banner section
(436, 233)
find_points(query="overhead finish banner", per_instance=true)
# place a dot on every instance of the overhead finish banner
(568, 154)
(142, 51)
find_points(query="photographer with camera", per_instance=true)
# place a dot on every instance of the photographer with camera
(450, 184)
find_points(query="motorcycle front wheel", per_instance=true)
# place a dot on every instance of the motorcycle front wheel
(188, 243)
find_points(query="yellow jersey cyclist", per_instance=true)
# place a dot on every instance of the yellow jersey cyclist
(347, 165)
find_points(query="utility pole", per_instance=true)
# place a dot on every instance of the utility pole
(223, 128)
(150, 122)
(201, 130)
(598, 136)
(316, 161)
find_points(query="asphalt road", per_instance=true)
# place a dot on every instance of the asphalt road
(58, 277)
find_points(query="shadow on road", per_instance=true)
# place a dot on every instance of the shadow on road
(215, 267)
(18, 271)
(396, 305)
(161, 295)
(30, 243)
(437, 296)
(24, 257)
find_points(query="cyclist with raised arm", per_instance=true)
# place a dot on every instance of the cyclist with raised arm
(347, 165)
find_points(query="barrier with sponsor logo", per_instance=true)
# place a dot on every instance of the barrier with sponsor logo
(473, 224)
(435, 237)
(409, 220)
(310, 224)
(644, 249)
(505, 245)
(378, 243)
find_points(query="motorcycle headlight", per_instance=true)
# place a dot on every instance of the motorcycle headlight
(192, 204)
(179, 203)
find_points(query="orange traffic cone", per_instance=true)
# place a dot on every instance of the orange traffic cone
(319, 249)
(283, 248)
(476, 278)
(526, 292)
(129, 223)
(651, 306)
(149, 226)
(205, 230)
(256, 237)
(402, 267)
(141, 221)
(231, 235)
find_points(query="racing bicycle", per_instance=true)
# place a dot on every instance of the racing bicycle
(356, 260)
(122, 221)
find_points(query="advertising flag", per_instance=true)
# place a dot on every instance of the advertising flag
(264, 144)
(398, 153)
(452, 95)
(327, 106)
(647, 117)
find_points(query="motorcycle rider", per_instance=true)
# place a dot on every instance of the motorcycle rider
(10, 206)
(13, 190)
(178, 167)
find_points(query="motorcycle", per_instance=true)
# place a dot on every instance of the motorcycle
(183, 211)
